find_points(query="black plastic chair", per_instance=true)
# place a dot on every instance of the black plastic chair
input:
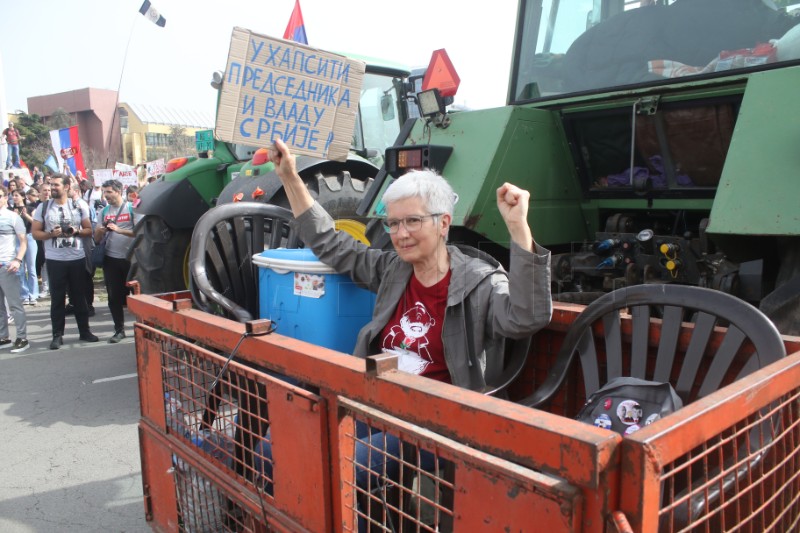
(705, 308)
(223, 278)
(749, 342)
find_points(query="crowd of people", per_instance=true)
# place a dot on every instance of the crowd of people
(47, 231)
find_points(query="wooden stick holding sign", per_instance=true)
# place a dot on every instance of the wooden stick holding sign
(277, 89)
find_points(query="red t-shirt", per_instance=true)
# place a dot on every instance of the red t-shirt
(12, 135)
(415, 330)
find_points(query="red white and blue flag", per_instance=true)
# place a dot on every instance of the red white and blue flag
(296, 29)
(67, 146)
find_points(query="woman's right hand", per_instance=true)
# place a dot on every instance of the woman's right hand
(284, 161)
(286, 168)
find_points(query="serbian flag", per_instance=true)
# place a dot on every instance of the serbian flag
(296, 29)
(67, 146)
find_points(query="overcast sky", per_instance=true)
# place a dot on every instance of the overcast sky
(51, 46)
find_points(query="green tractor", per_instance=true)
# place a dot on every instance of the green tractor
(658, 138)
(224, 172)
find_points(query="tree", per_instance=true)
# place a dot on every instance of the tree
(35, 146)
(60, 119)
(179, 143)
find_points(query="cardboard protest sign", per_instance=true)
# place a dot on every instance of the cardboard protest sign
(126, 177)
(102, 175)
(280, 89)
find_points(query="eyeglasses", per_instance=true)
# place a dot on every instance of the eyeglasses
(411, 223)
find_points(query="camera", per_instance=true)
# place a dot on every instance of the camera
(67, 230)
(98, 204)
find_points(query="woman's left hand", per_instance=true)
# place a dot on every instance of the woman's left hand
(513, 205)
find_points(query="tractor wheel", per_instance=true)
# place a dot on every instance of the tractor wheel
(160, 256)
(340, 195)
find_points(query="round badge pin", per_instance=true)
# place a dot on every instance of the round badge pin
(607, 403)
(629, 412)
(632, 429)
(603, 421)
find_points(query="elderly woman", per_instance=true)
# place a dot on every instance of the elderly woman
(443, 311)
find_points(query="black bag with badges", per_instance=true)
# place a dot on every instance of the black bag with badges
(627, 404)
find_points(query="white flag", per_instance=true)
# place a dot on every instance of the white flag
(150, 12)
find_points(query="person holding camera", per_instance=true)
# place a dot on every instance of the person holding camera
(116, 227)
(61, 223)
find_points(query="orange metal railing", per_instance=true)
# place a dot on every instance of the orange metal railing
(272, 444)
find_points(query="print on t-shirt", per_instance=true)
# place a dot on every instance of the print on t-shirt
(409, 339)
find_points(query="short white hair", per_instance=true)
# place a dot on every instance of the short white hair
(436, 194)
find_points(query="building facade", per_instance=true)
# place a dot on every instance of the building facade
(94, 111)
(127, 133)
(152, 132)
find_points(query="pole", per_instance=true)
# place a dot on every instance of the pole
(119, 86)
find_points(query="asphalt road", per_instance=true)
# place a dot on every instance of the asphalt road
(69, 447)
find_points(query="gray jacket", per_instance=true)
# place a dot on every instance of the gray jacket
(484, 303)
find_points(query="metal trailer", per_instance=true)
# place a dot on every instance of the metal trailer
(498, 466)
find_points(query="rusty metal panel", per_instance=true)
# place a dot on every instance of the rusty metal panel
(298, 431)
(726, 462)
(151, 395)
(160, 504)
(410, 477)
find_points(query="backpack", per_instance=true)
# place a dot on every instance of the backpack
(627, 404)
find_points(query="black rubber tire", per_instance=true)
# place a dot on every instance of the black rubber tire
(338, 194)
(159, 256)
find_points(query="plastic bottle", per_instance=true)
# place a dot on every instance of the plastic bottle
(176, 417)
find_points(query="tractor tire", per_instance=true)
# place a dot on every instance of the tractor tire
(339, 195)
(160, 256)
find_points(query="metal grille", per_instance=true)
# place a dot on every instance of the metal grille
(223, 417)
(744, 479)
(401, 479)
(204, 507)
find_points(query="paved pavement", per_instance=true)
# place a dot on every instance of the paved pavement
(69, 447)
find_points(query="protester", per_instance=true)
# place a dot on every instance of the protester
(37, 175)
(132, 194)
(24, 206)
(12, 186)
(13, 244)
(116, 227)
(21, 184)
(61, 223)
(11, 136)
(88, 243)
(41, 268)
(461, 304)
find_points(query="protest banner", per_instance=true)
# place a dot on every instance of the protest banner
(156, 168)
(102, 175)
(280, 89)
(126, 177)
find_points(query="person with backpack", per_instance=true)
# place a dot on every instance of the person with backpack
(61, 223)
(115, 230)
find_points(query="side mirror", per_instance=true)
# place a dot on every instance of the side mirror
(387, 107)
